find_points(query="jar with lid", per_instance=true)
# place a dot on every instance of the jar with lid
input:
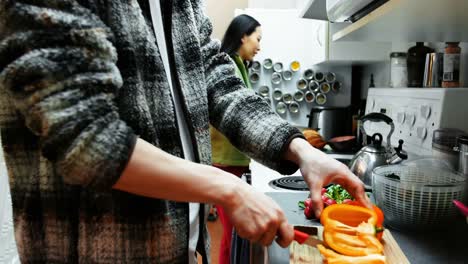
(451, 76)
(398, 70)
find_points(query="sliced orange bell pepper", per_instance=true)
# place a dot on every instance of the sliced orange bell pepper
(350, 230)
(380, 218)
(335, 258)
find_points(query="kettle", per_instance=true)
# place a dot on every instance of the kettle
(374, 154)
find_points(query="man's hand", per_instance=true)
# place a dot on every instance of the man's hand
(319, 169)
(257, 217)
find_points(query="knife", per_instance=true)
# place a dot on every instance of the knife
(304, 238)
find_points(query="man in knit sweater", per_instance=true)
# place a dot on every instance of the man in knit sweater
(104, 114)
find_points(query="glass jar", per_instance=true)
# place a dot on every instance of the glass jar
(451, 76)
(398, 70)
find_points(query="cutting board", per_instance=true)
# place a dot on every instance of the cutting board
(392, 252)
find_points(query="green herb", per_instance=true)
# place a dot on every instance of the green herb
(338, 193)
(301, 204)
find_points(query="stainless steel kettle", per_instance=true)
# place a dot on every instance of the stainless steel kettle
(374, 154)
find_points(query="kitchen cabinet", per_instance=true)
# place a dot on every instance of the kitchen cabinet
(410, 21)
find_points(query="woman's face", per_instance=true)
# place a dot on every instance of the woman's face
(250, 45)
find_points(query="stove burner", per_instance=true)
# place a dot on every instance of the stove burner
(295, 183)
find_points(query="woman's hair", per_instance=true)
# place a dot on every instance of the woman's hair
(240, 26)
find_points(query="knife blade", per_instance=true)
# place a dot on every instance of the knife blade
(304, 238)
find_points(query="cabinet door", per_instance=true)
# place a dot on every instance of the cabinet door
(286, 36)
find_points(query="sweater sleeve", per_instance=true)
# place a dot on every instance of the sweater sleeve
(241, 115)
(57, 64)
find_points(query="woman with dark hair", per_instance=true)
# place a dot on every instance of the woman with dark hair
(242, 42)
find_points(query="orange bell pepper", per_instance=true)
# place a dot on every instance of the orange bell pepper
(335, 258)
(380, 218)
(350, 230)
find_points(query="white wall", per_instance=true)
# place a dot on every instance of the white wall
(221, 12)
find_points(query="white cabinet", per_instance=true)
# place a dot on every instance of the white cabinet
(350, 53)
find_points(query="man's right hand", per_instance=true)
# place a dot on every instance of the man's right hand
(257, 217)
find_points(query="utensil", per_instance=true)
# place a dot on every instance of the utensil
(375, 155)
(463, 208)
(343, 143)
(304, 238)
(418, 197)
(330, 121)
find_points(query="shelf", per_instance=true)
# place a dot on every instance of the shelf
(315, 9)
(411, 21)
(340, 63)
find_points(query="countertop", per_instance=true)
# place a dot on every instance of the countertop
(449, 246)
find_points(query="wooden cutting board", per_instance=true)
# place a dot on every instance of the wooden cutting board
(301, 254)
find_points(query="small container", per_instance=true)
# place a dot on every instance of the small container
(320, 98)
(444, 141)
(301, 84)
(415, 62)
(264, 90)
(325, 87)
(319, 76)
(298, 96)
(287, 75)
(277, 94)
(336, 87)
(451, 76)
(281, 108)
(278, 67)
(462, 142)
(398, 70)
(254, 77)
(294, 107)
(309, 97)
(276, 78)
(256, 66)
(295, 66)
(287, 98)
(308, 74)
(330, 77)
(314, 86)
(267, 64)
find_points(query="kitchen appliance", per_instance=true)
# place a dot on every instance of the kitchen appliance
(416, 114)
(330, 122)
(418, 197)
(350, 11)
(375, 154)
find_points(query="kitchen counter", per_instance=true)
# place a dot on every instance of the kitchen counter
(426, 247)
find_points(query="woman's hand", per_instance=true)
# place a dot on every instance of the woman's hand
(257, 217)
(319, 169)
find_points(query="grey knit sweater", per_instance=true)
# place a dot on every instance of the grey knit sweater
(79, 82)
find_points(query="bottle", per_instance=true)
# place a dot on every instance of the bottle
(451, 76)
(372, 84)
(398, 70)
(416, 60)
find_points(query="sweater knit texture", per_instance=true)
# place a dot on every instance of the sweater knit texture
(79, 82)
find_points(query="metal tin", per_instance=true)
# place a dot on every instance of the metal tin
(267, 63)
(301, 84)
(298, 96)
(319, 76)
(320, 98)
(287, 98)
(295, 66)
(330, 77)
(278, 67)
(287, 75)
(264, 90)
(254, 77)
(276, 78)
(314, 86)
(256, 66)
(325, 87)
(281, 108)
(336, 87)
(277, 94)
(309, 97)
(294, 108)
(308, 74)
